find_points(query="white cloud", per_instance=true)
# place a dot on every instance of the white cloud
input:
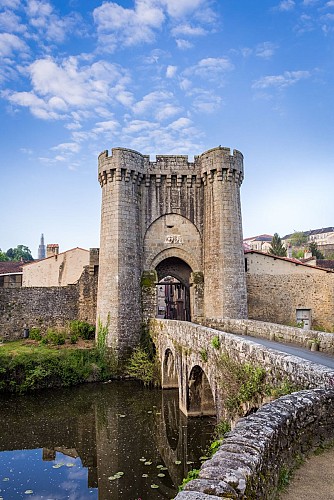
(179, 8)
(265, 50)
(286, 5)
(12, 4)
(108, 126)
(119, 26)
(11, 43)
(58, 89)
(188, 30)
(48, 25)
(171, 71)
(287, 79)
(153, 102)
(10, 22)
(71, 147)
(37, 106)
(330, 3)
(180, 123)
(166, 111)
(136, 126)
(116, 24)
(183, 44)
(210, 68)
(206, 101)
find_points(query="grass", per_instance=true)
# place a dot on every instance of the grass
(29, 365)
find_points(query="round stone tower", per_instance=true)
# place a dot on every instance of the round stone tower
(119, 293)
(223, 257)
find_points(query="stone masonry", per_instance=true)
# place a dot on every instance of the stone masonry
(169, 217)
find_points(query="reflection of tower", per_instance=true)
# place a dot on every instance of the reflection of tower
(41, 248)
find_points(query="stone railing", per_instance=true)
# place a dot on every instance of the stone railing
(322, 341)
(262, 446)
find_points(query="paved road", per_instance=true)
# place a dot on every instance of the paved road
(315, 357)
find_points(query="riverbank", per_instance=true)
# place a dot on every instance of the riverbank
(29, 365)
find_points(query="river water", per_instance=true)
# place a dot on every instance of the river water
(117, 441)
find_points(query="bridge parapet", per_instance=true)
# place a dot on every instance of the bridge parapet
(252, 456)
(272, 331)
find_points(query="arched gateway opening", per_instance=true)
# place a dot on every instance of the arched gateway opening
(173, 289)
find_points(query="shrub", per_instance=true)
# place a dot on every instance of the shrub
(82, 329)
(35, 333)
(54, 337)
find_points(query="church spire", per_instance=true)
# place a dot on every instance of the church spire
(41, 248)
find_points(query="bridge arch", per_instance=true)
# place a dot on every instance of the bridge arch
(200, 399)
(169, 373)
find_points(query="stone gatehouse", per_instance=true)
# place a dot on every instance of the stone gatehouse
(170, 227)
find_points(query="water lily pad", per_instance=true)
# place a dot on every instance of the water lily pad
(116, 476)
(122, 416)
(159, 466)
(70, 464)
(6, 479)
(144, 475)
(148, 463)
(142, 459)
(163, 468)
(28, 492)
(189, 462)
(204, 458)
(154, 486)
(177, 462)
(161, 474)
(57, 466)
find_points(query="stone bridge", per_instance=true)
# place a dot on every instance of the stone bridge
(273, 436)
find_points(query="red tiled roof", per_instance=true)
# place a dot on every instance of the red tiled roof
(10, 267)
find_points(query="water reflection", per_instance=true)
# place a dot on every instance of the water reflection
(107, 441)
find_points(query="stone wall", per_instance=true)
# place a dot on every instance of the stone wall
(45, 307)
(272, 331)
(262, 445)
(274, 296)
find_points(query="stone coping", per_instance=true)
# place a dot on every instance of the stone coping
(321, 341)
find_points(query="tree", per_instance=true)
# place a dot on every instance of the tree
(21, 252)
(3, 256)
(313, 248)
(298, 239)
(277, 247)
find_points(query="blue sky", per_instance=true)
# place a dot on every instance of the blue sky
(163, 77)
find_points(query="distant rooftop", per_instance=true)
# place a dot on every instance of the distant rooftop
(260, 237)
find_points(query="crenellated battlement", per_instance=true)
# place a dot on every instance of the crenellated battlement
(130, 166)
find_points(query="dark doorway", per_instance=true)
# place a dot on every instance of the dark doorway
(173, 297)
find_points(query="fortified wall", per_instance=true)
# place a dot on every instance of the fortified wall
(47, 307)
(169, 216)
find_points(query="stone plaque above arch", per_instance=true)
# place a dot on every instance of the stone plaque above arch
(172, 235)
